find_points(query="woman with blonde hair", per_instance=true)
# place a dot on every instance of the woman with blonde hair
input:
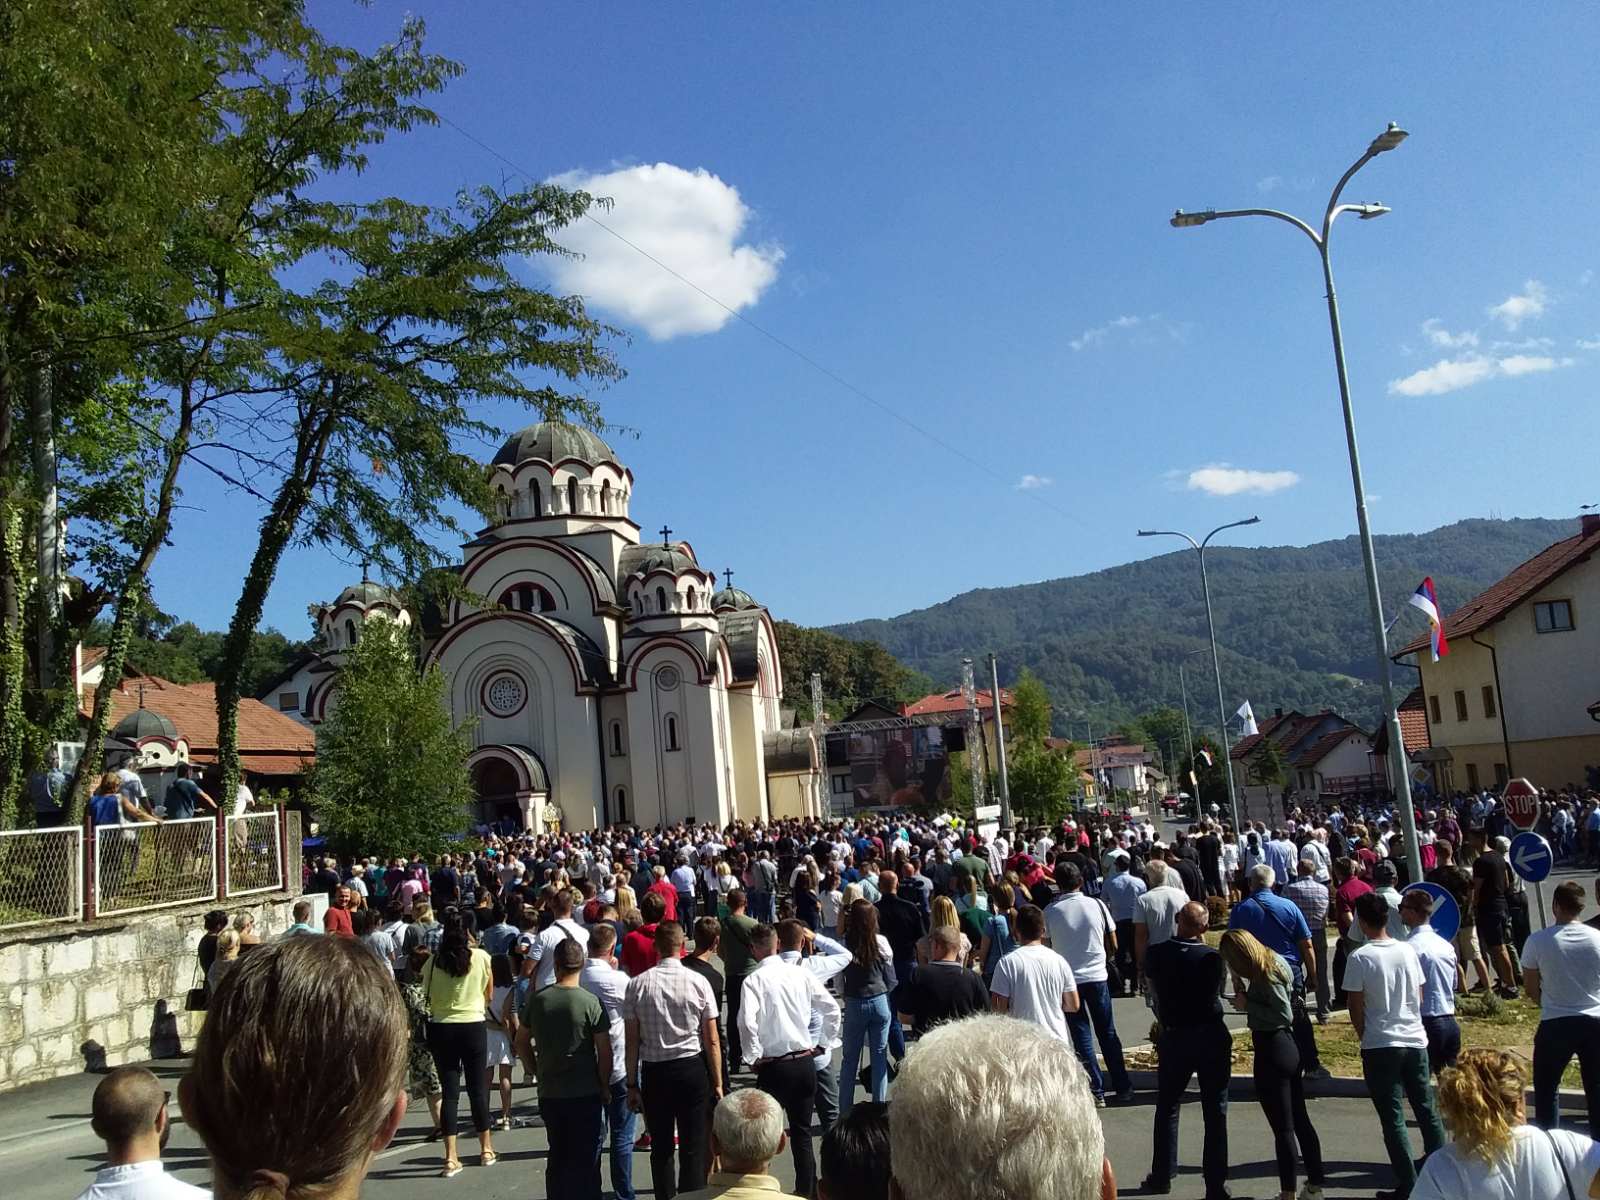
(227, 954)
(1495, 1154)
(999, 929)
(850, 894)
(943, 915)
(627, 909)
(289, 1103)
(244, 924)
(1263, 991)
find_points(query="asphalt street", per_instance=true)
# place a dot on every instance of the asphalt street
(48, 1152)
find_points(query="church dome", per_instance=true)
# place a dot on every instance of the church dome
(732, 597)
(641, 560)
(367, 593)
(141, 724)
(553, 441)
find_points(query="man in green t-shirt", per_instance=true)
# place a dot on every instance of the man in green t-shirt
(738, 961)
(568, 1030)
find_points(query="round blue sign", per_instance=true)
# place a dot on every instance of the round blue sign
(1531, 857)
(1446, 915)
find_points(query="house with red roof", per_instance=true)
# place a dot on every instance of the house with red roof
(1513, 696)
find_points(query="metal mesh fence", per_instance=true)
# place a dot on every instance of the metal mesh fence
(41, 876)
(154, 865)
(252, 854)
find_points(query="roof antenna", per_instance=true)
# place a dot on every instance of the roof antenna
(141, 693)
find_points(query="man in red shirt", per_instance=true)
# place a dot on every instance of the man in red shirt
(663, 887)
(1348, 888)
(638, 953)
(337, 919)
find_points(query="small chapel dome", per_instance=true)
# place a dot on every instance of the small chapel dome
(733, 598)
(367, 593)
(141, 724)
(641, 560)
(553, 441)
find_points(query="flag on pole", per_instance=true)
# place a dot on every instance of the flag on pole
(1426, 599)
(1204, 756)
(1248, 717)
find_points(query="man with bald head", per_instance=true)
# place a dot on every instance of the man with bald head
(1186, 977)
(130, 1116)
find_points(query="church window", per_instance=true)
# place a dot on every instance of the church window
(605, 496)
(667, 679)
(536, 498)
(288, 701)
(527, 597)
(616, 739)
(661, 599)
(638, 605)
(622, 804)
(672, 732)
(504, 694)
(350, 635)
(572, 495)
(693, 601)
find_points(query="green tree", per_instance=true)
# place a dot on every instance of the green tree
(391, 774)
(1212, 786)
(853, 673)
(1029, 719)
(1042, 782)
(1266, 765)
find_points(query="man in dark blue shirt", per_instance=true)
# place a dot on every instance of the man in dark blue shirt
(1186, 976)
(1279, 925)
(184, 797)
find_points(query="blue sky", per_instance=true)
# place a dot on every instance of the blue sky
(961, 211)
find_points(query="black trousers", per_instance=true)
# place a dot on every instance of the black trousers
(792, 1082)
(1281, 1093)
(461, 1049)
(1125, 960)
(676, 1096)
(1444, 1041)
(1555, 1043)
(1207, 1051)
(731, 1063)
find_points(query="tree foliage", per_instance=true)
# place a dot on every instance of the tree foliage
(1029, 718)
(853, 672)
(391, 775)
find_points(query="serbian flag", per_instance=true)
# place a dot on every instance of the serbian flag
(1427, 600)
(1204, 756)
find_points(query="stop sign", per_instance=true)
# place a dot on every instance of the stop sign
(1522, 803)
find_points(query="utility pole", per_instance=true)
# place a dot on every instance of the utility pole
(969, 693)
(819, 735)
(1000, 741)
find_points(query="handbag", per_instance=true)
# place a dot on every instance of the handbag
(195, 999)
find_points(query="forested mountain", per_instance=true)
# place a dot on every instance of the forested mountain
(1292, 623)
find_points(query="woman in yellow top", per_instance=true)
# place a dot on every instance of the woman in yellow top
(458, 983)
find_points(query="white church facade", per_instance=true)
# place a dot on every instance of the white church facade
(606, 679)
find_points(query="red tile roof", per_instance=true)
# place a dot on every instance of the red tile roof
(953, 702)
(1489, 605)
(269, 742)
(1414, 722)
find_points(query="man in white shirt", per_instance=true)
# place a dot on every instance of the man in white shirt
(603, 979)
(130, 1115)
(682, 878)
(1317, 851)
(1155, 914)
(1438, 959)
(1081, 930)
(1033, 982)
(827, 959)
(779, 1004)
(1383, 980)
(562, 929)
(1561, 970)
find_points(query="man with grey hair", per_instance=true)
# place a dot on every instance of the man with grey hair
(1020, 1104)
(746, 1135)
(1155, 914)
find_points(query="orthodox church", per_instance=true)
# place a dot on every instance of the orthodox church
(607, 679)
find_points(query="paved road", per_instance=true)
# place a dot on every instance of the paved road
(47, 1151)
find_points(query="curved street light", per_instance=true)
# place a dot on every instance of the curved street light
(1385, 141)
(1216, 663)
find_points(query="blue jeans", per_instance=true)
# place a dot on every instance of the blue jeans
(762, 907)
(866, 1021)
(619, 1123)
(1094, 1020)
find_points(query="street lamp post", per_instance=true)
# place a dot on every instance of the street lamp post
(1216, 662)
(1385, 141)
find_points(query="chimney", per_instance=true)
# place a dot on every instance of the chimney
(1591, 524)
(1277, 712)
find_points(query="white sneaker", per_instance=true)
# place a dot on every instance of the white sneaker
(1310, 1192)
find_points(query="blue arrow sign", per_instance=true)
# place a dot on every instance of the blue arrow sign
(1446, 915)
(1531, 857)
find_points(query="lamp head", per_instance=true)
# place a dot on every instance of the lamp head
(1388, 139)
(1368, 211)
(1187, 220)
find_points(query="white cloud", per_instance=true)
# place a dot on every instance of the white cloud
(1221, 479)
(1525, 306)
(1032, 483)
(1134, 330)
(1097, 335)
(1269, 183)
(689, 220)
(1451, 375)
(1589, 343)
(1433, 328)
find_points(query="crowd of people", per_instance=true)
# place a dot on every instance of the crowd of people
(738, 988)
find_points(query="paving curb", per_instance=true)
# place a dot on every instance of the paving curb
(1337, 1087)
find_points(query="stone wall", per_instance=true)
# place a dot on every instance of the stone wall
(87, 997)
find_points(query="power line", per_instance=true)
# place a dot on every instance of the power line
(821, 368)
